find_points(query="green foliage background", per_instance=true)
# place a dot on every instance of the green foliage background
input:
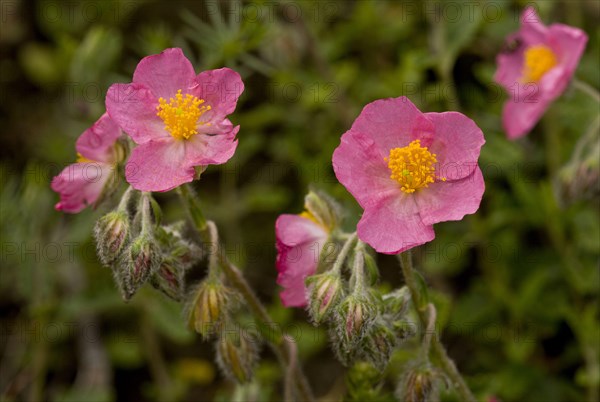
(516, 284)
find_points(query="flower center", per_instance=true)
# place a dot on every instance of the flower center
(181, 114)
(412, 166)
(538, 60)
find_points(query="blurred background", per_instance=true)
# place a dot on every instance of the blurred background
(516, 284)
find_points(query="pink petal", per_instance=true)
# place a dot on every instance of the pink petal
(204, 149)
(165, 73)
(359, 165)
(553, 83)
(510, 67)
(159, 165)
(80, 185)
(133, 108)
(394, 225)
(393, 123)
(293, 230)
(457, 144)
(532, 31)
(97, 142)
(211, 126)
(570, 43)
(450, 201)
(220, 89)
(518, 118)
(299, 242)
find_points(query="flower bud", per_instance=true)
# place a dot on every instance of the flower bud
(419, 385)
(396, 303)
(212, 304)
(364, 383)
(355, 316)
(111, 233)
(323, 208)
(358, 313)
(169, 279)
(379, 344)
(237, 355)
(144, 260)
(324, 292)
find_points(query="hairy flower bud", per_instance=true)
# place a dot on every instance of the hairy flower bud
(323, 208)
(111, 233)
(237, 355)
(378, 345)
(169, 279)
(396, 303)
(355, 316)
(324, 292)
(364, 383)
(419, 385)
(211, 305)
(144, 259)
(358, 313)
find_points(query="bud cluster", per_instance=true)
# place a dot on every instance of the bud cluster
(361, 324)
(138, 250)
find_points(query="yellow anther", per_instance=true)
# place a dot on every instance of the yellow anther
(538, 60)
(412, 166)
(181, 114)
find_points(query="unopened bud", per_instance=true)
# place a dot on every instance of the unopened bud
(237, 355)
(355, 316)
(323, 208)
(396, 303)
(358, 313)
(379, 344)
(144, 260)
(211, 305)
(419, 385)
(169, 279)
(363, 383)
(111, 233)
(324, 293)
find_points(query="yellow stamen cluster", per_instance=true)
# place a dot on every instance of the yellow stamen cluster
(308, 215)
(181, 114)
(82, 159)
(539, 59)
(412, 166)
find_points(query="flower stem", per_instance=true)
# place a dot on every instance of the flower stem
(430, 330)
(423, 311)
(587, 88)
(238, 281)
(339, 262)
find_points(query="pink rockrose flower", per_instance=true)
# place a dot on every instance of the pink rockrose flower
(409, 170)
(300, 239)
(98, 153)
(177, 118)
(535, 69)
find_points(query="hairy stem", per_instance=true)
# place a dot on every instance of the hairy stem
(437, 348)
(238, 281)
(339, 262)
(430, 331)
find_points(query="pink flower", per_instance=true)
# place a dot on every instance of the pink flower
(177, 118)
(82, 183)
(409, 170)
(300, 240)
(536, 70)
